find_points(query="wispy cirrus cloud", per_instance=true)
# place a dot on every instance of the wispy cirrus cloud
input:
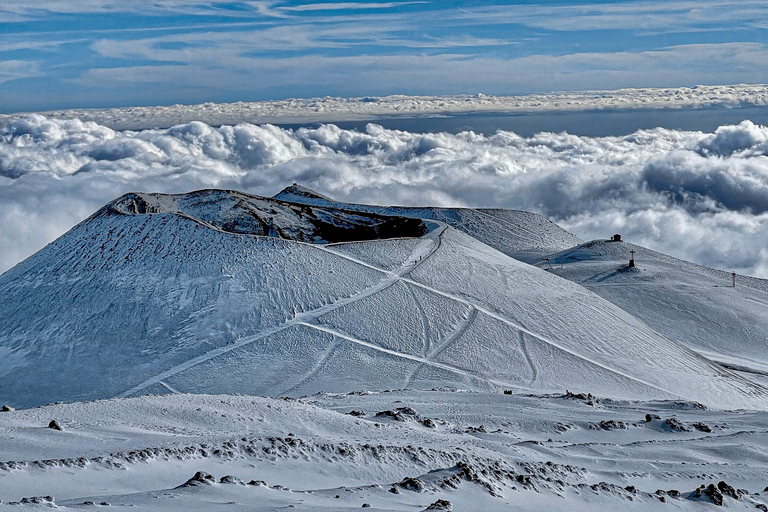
(16, 69)
(388, 47)
(446, 73)
(340, 6)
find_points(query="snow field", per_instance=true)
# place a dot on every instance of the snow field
(488, 450)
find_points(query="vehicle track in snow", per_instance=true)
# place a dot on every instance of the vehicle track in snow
(527, 356)
(515, 325)
(411, 357)
(417, 256)
(452, 337)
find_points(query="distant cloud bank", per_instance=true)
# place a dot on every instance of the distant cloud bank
(699, 196)
(333, 109)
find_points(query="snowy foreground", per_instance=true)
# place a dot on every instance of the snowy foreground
(429, 357)
(394, 450)
(332, 109)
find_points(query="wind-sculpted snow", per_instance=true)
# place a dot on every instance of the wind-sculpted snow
(152, 295)
(699, 196)
(395, 450)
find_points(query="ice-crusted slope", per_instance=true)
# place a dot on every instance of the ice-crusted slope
(160, 294)
(693, 304)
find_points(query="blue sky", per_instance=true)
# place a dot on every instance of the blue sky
(97, 53)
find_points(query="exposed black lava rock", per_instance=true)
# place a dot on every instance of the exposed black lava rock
(229, 479)
(444, 505)
(676, 425)
(200, 478)
(608, 425)
(588, 399)
(412, 484)
(55, 425)
(245, 214)
(399, 414)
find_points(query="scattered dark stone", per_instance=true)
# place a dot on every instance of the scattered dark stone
(55, 425)
(428, 422)
(366, 505)
(589, 398)
(337, 496)
(728, 490)
(702, 427)
(200, 478)
(631, 488)
(687, 406)
(677, 425)
(394, 490)
(444, 505)
(356, 413)
(674, 493)
(762, 507)
(507, 391)
(608, 425)
(40, 500)
(650, 417)
(6, 408)
(399, 414)
(258, 483)
(104, 504)
(229, 479)
(412, 484)
(711, 492)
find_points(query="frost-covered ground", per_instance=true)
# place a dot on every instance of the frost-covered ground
(332, 109)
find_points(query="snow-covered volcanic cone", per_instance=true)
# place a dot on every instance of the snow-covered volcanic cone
(223, 292)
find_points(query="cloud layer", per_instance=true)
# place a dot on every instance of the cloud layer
(699, 196)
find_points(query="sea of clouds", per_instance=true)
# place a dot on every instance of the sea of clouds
(699, 196)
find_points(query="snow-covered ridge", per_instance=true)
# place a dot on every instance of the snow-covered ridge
(333, 109)
(171, 302)
(245, 214)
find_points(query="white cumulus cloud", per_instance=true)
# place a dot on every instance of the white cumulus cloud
(699, 196)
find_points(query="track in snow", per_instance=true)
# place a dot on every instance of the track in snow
(418, 256)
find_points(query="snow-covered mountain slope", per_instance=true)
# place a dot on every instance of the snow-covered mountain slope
(236, 212)
(156, 294)
(513, 232)
(394, 451)
(690, 303)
